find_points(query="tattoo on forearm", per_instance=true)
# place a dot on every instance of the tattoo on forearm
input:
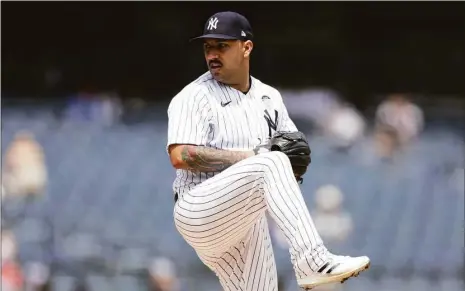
(204, 159)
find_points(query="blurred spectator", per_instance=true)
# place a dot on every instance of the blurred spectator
(101, 108)
(9, 250)
(36, 276)
(402, 115)
(163, 275)
(386, 140)
(311, 105)
(382, 147)
(110, 110)
(328, 113)
(344, 125)
(12, 279)
(24, 169)
(333, 223)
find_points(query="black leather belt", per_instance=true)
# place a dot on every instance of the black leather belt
(175, 197)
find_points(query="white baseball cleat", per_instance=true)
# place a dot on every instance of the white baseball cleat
(337, 269)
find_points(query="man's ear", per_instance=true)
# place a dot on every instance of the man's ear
(247, 47)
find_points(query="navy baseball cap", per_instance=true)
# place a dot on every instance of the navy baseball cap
(227, 25)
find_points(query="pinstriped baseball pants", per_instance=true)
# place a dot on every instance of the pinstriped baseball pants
(224, 220)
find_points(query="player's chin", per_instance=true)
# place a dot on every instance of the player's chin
(216, 73)
(215, 70)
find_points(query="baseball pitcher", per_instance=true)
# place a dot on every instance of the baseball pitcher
(237, 155)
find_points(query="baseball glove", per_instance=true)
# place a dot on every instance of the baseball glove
(296, 147)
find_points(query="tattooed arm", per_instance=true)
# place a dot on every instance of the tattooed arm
(204, 159)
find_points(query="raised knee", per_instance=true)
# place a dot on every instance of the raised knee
(275, 159)
(276, 155)
(271, 161)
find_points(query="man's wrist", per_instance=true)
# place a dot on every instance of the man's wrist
(260, 149)
(249, 154)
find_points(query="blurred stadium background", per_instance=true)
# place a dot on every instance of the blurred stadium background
(86, 182)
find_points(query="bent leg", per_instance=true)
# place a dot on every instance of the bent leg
(249, 265)
(218, 214)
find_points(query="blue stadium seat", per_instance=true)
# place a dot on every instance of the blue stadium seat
(451, 284)
(420, 283)
(99, 283)
(132, 260)
(63, 283)
(392, 284)
(124, 283)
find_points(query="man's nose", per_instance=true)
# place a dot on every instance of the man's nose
(212, 55)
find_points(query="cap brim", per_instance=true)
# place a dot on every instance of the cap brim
(214, 36)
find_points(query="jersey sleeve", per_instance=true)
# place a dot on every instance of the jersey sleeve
(286, 123)
(189, 118)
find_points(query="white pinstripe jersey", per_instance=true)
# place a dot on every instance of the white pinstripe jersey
(209, 113)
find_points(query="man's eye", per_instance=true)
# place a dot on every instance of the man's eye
(220, 46)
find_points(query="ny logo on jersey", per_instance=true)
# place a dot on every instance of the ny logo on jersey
(271, 124)
(212, 23)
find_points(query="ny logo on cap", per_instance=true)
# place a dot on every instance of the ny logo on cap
(212, 23)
